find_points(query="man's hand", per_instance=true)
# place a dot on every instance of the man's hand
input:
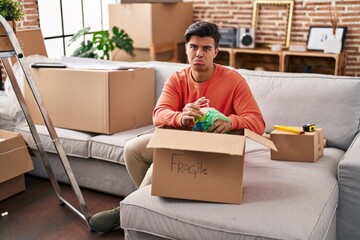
(189, 113)
(220, 126)
(192, 111)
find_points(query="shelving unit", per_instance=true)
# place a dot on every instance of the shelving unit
(316, 62)
(283, 61)
(254, 58)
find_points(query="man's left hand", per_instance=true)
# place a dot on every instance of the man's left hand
(220, 126)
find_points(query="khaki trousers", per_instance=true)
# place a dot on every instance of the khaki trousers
(138, 160)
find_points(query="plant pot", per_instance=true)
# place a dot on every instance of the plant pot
(5, 44)
(332, 45)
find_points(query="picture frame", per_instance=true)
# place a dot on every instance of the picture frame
(317, 36)
(263, 8)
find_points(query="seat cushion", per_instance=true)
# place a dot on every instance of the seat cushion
(281, 200)
(111, 147)
(331, 102)
(74, 143)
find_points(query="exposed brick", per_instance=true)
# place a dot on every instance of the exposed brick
(306, 14)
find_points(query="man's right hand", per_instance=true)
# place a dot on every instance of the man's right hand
(192, 111)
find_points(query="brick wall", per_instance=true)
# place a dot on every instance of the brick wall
(31, 15)
(238, 13)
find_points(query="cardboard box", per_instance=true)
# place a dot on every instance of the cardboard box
(148, 23)
(307, 147)
(100, 101)
(12, 187)
(5, 44)
(31, 41)
(14, 162)
(199, 165)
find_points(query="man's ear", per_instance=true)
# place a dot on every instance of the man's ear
(216, 52)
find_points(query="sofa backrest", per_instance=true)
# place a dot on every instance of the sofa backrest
(295, 99)
(162, 71)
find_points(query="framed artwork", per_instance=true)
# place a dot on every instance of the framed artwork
(281, 8)
(317, 37)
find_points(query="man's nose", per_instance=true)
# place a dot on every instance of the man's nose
(199, 52)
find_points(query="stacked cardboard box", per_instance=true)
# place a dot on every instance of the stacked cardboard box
(150, 23)
(14, 162)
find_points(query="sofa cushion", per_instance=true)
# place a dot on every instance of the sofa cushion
(281, 200)
(74, 143)
(331, 102)
(111, 147)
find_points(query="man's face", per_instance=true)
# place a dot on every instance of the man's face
(201, 52)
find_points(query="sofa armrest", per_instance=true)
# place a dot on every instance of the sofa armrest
(349, 193)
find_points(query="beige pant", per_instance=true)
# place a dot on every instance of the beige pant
(138, 160)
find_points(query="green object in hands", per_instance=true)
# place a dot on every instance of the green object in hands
(207, 120)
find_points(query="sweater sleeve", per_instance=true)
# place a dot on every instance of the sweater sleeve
(168, 109)
(247, 112)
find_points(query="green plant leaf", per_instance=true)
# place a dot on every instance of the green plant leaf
(12, 10)
(80, 33)
(123, 41)
(102, 44)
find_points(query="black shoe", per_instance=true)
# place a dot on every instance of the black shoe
(105, 221)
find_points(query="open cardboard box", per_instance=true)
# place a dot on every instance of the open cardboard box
(199, 165)
(14, 162)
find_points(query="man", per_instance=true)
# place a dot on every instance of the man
(179, 105)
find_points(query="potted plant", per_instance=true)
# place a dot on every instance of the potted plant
(11, 11)
(101, 44)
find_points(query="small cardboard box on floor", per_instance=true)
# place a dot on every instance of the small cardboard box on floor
(14, 162)
(307, 147)
(199, 165)
(100, 101)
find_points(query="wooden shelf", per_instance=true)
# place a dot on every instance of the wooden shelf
(283, 61)
(316, 62)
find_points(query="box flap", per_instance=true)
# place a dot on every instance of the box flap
(260, 139)
(197, 141)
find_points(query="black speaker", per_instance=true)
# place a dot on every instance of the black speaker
(246, 38)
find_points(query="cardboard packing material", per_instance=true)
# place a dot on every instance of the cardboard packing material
(148, 23)
(14, 162)
(307, 147)
(199, 165)
(100, 101)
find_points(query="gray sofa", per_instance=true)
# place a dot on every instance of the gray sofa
(281, 199)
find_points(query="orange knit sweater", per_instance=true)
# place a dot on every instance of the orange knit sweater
(227, 91)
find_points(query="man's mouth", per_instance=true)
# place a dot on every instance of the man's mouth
(198, 62)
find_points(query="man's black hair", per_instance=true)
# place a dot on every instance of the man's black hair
(203, 29)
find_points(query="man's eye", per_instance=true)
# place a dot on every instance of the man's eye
(207, 49)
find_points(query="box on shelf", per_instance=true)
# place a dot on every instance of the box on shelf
(307, 147)
(199, 165)
(148, 23)
(100, 101)
(14, 162)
